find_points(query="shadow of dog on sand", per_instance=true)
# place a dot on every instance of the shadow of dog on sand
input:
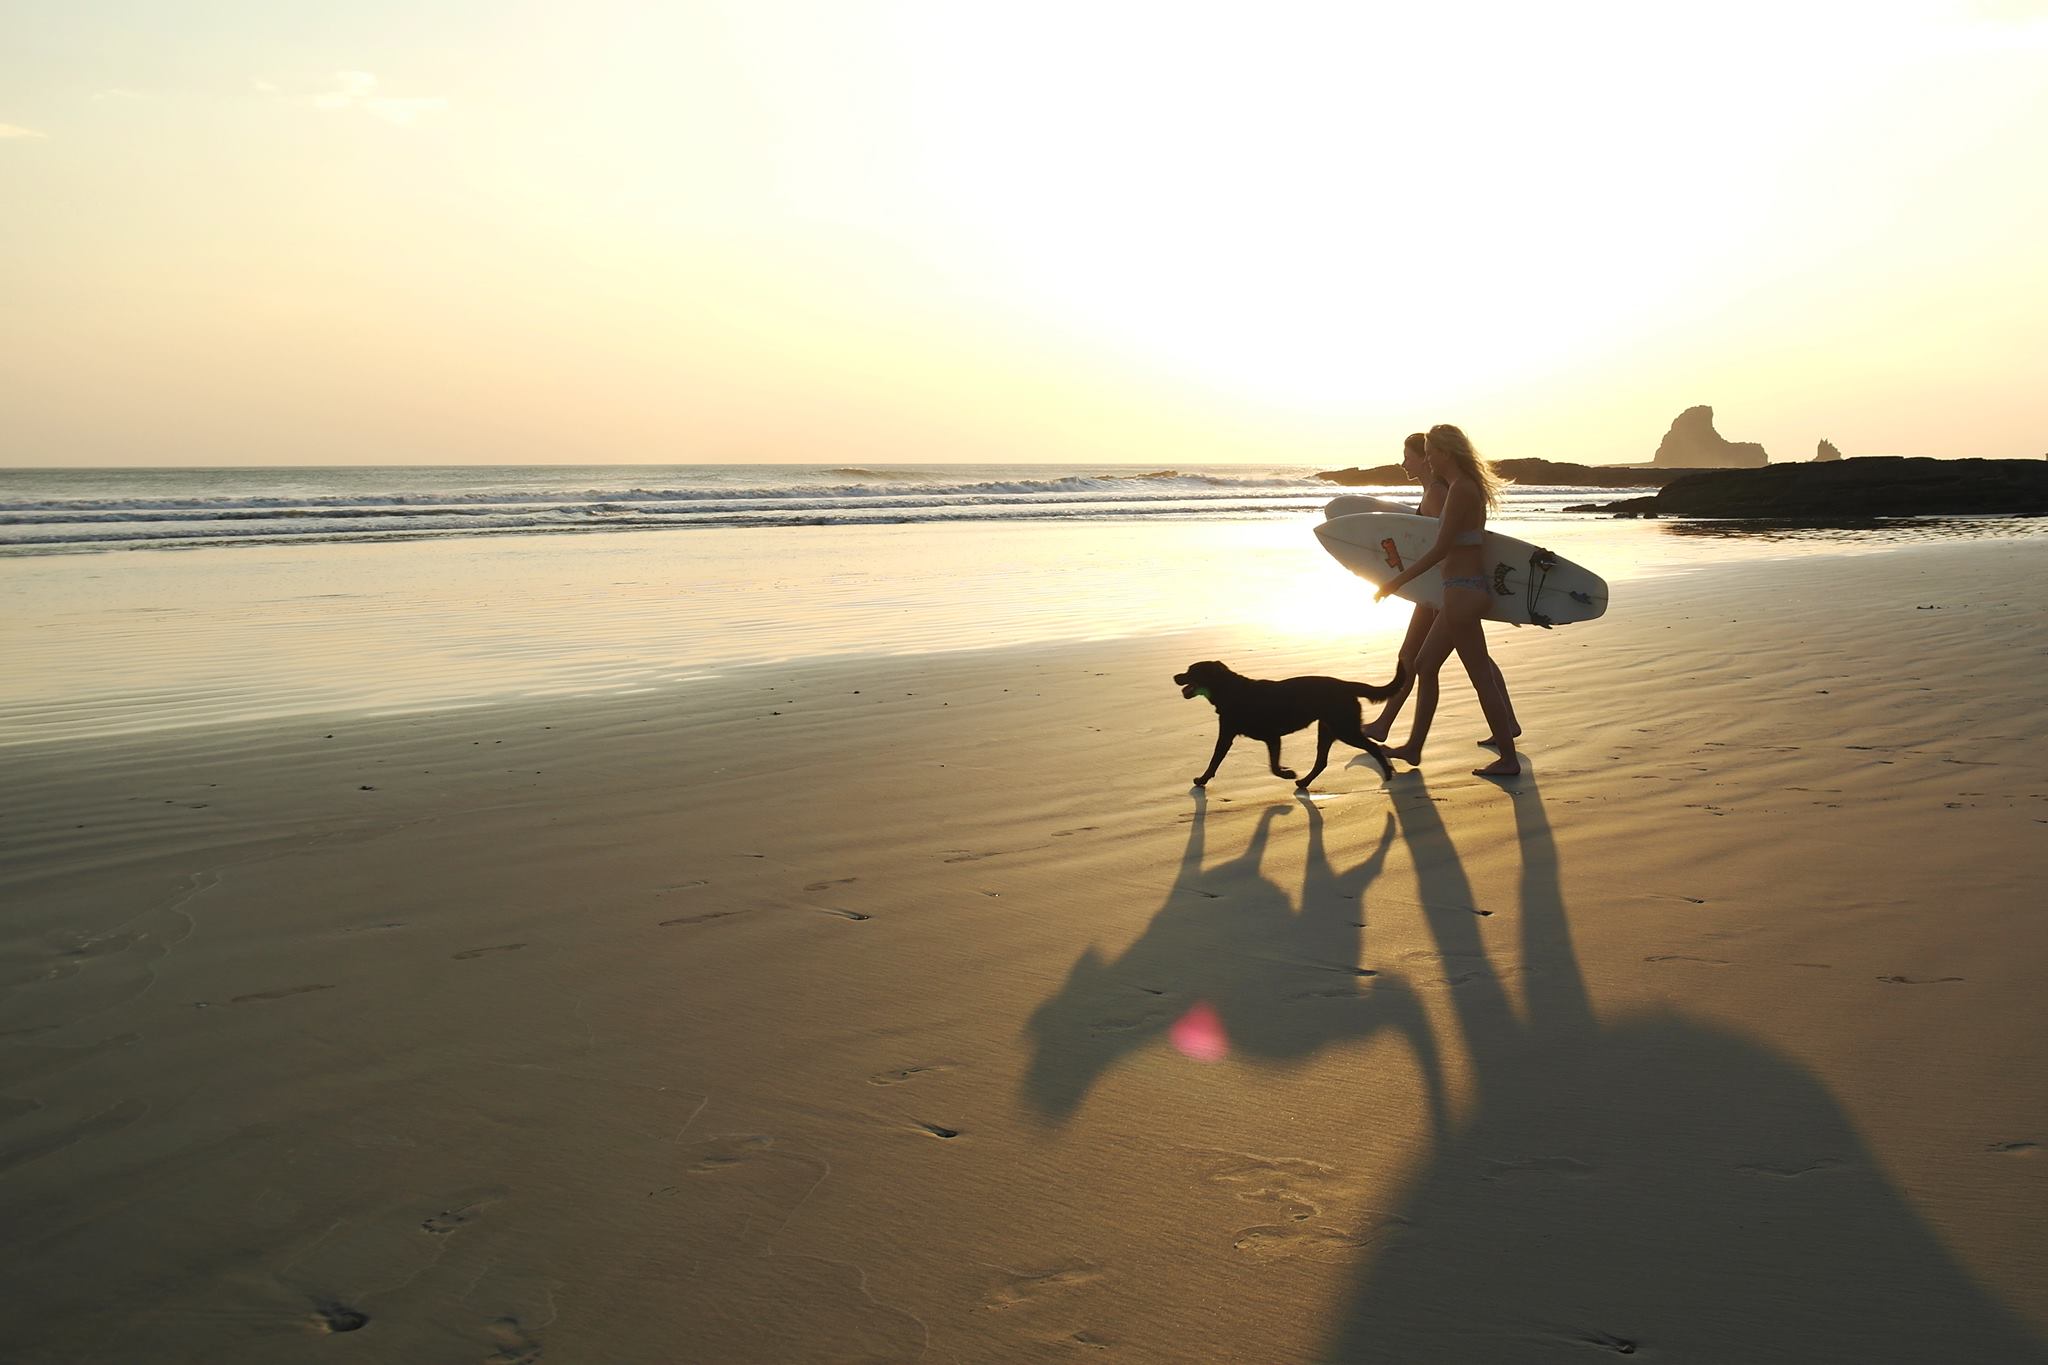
(1231, 962)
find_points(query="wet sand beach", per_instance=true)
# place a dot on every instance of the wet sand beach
(913, 1007)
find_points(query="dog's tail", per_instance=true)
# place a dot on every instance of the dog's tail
(1381, 691)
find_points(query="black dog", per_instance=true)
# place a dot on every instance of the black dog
(1259, 709)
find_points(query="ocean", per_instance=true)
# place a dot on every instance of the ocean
(63, 511)
(262, 594)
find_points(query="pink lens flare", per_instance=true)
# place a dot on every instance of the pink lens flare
(1199, 1034)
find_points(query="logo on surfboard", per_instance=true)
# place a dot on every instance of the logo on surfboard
(1393, 554)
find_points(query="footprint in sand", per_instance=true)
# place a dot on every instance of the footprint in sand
(257, 997)
(837, 881)
(329, 1316)
(1284, 1241)
(938, 1130)
(1127, 1023)
(843, 914)
(1918, 980)
(1029, 1288)
(1606, 1341)
(513, 1344)
(2021, 1148)
(704, 918)
(1298, 1191)
(722, 1153)
(464, 1208)
(468, 953)
(900, 1074)
(1687, 957)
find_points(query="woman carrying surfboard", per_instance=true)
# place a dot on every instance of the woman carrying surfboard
(1415, 462)
(1471, 488)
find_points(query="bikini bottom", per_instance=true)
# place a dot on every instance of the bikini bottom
(1470, 582)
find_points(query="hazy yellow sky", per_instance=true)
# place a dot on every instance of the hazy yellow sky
(287, 232)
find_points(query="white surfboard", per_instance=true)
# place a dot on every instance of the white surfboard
(1351, 504)
(1526, 584)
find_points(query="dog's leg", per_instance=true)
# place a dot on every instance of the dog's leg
(1223, 737)
(1325, 737)
(1273, 760)
(1356, 735)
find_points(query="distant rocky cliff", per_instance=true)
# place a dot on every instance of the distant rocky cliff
(1872, 486)
(1533, 472)
(1827, 451)
(1692, 443)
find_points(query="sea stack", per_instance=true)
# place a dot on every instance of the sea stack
(1692, 443)
(1827, 451)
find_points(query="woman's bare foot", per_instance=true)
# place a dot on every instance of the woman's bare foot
(1407, 753)
(1491, 743)
(1377, 730)
(1500, 767)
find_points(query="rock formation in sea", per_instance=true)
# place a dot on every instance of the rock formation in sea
(1868, 486)
(1692, 443)
(1827, 452)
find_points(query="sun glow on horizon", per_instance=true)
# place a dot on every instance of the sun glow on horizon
(918, 231)
(1333, 209)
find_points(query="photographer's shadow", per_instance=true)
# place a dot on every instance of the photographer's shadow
(1230, 963)
(1643, 1181)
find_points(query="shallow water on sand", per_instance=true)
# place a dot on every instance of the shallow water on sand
(113, 644)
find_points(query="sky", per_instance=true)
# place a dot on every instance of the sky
(854, 231)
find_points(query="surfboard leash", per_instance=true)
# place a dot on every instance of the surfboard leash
(1541, 562)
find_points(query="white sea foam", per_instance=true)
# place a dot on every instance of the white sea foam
(81, 511)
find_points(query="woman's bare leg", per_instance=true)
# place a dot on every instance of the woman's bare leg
(1429, 660)
(1419, 623)
(1514, 723)
(1507, 704)
(1493, 699)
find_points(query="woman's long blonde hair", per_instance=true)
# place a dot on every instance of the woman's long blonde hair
(1456, 444)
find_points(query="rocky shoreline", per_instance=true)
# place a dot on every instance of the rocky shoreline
(1552, 473)
(1872, 486)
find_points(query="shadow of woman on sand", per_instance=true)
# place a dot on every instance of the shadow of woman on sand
(1267, 979)
(1641, 1183)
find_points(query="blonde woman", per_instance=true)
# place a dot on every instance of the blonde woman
(1471, 488)
(1415, 463)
